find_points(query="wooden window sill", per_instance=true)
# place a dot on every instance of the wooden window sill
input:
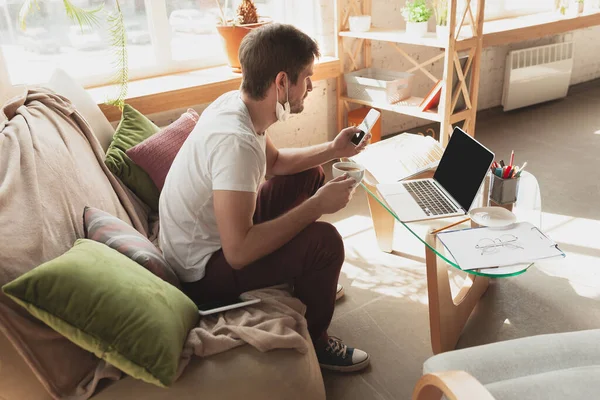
(187, 89)
(518, 29)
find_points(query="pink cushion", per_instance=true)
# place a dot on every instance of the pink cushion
(156, 154)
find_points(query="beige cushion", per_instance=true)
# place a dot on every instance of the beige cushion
(64, 85)
(241, 373)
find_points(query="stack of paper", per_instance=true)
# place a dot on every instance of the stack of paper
(488, 247)
(400, 157)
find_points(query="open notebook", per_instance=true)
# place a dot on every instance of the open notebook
(492, 247)
(400, 157)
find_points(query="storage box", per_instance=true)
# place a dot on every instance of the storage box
(379, 85)
(359, 23)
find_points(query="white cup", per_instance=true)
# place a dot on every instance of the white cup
(354, 170)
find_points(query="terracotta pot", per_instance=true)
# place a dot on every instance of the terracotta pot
(232, 38)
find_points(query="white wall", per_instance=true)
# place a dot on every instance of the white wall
(318, 122)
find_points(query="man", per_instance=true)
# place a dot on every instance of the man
(223, 231)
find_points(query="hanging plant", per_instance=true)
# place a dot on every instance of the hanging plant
(90, 18)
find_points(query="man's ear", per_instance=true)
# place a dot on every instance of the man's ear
(281, 80)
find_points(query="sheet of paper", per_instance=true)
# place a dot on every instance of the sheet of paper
(400, 157)
(488, 247)
(509, 269)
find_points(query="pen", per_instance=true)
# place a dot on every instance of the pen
(502, 163)
(451, 225)
(512, 157)
(521, 169)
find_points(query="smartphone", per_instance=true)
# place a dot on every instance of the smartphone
(219, 306)
(365, 126)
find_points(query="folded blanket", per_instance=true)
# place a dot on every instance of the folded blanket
(51, 167)
(276, 322)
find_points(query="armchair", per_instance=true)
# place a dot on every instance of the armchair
(549, 367)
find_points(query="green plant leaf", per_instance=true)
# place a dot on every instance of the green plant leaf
(26, 9)
(118, 42)
(440, 8)
(118, 38)
(81, 16)
(417, 11)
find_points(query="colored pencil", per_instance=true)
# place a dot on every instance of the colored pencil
(450, 226)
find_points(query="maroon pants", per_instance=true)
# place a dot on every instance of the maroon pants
(311, 261)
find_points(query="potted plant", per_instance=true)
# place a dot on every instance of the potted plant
(440, 8)
(233, 31)
(416, 13)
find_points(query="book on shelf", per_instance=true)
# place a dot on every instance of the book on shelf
(400, 157)
(432, 100)
(433, 97)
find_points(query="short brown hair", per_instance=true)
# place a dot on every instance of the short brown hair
(270, 49)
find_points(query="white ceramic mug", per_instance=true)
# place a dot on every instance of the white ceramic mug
(354, 170)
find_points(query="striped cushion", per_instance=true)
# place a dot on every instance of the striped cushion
(117, 234)
(156, 154)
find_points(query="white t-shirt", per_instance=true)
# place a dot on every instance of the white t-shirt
(223, 152)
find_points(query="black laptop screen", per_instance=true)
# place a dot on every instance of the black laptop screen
(463, 167)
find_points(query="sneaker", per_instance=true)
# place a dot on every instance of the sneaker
(336, 356)
(339, 292)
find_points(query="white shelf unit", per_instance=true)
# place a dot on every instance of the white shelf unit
(462, 37)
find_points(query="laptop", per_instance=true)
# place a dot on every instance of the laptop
(452, 189)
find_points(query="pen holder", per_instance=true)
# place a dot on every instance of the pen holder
(503, 192)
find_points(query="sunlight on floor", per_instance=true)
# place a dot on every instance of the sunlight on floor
(578, 238)
(370, 269)
(353, 225)
(569, 230)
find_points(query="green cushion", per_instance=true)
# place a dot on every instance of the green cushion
(133, 128)
(111, 306)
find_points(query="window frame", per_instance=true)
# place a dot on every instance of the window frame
(503, 13)
(164, 64)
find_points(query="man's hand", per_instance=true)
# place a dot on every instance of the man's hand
(343, 147)
(335, 194)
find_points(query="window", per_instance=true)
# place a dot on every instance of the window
(163, 36)
(496, 9)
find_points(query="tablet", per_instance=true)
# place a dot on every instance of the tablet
(219, 306)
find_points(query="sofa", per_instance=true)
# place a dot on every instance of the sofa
(549, 367)
(42, 369)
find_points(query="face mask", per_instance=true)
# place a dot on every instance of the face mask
(283, 112)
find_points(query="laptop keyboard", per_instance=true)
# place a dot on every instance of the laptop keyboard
(428, 197)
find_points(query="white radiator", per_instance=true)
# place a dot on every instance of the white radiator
(537, 74)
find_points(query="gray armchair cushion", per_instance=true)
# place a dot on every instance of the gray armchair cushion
(572, 383)
(554, 366)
